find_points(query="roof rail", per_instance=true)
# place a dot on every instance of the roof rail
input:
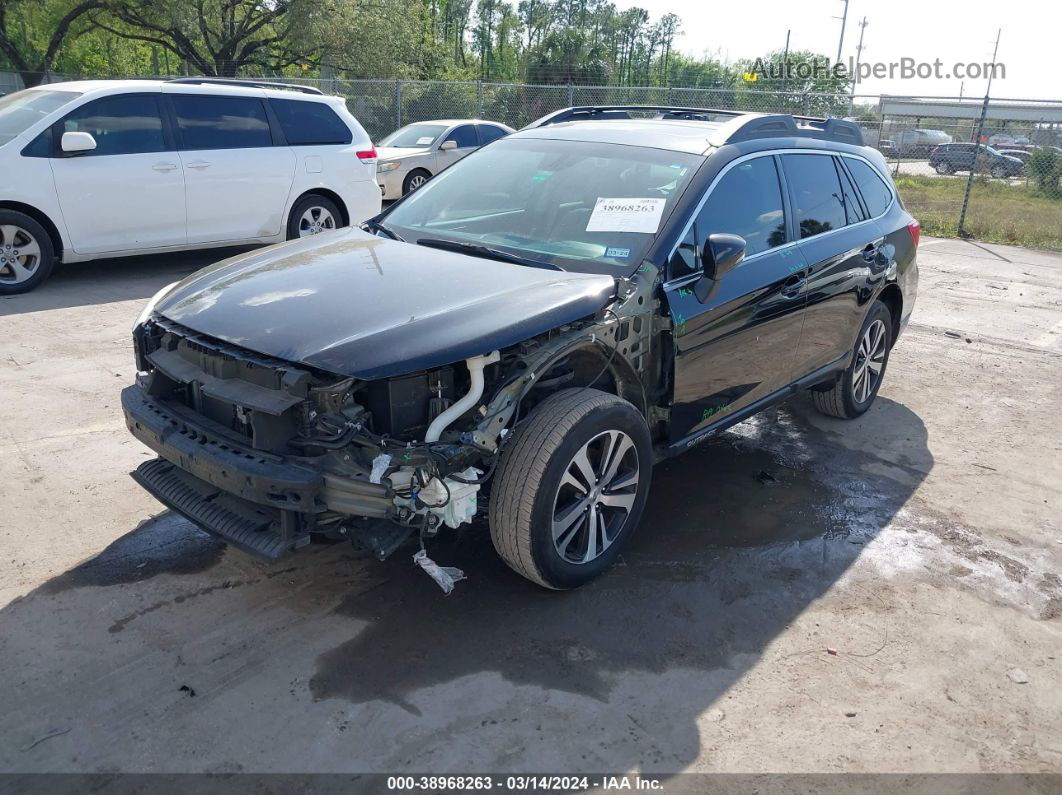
(223, 81)
(738, 125)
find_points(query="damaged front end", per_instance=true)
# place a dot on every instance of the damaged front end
(266, 453)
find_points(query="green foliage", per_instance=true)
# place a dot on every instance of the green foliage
(1045, 168)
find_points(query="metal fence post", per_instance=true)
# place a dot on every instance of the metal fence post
(398, 104)
(969, 182)
(571, 95)
(479, 99)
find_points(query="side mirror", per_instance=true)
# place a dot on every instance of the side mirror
(76, 142)
(721, 254)
(448, 145)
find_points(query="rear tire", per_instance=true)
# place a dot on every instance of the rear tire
(853, 393)
(945, 169)
(312, 215)
(551, 523)
(27, 255)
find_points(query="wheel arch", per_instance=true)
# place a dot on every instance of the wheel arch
(42, 219)
(331, 195)
(892, 297)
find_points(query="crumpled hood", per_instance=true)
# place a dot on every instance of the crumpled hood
(397, 153)
(355, 304)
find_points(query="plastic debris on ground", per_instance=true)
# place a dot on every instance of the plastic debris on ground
(445, 576)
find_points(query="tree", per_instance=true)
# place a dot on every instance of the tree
(220, 37)
(31, 33)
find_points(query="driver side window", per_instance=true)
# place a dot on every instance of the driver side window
(747, 201)
(465, 136)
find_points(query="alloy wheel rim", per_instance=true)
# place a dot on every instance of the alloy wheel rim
(416, 182)
(595, 497)
(870, 360)
(20, 254)
(316, 220)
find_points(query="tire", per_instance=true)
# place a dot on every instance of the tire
(535, 484)
(312, 215)
(414, 179)
(999, 172)
(850, 397)
(27, 255)
(944, 168)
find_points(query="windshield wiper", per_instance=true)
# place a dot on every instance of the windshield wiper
(378, 226)
(479, 250)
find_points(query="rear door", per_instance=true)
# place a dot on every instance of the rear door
(735, 338)
(237, 180)
(839, 244)
(127, 193)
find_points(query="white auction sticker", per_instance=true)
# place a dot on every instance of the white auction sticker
(626, 215)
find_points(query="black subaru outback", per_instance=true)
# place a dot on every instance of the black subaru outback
(538, 325)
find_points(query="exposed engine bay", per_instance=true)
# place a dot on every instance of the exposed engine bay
(280, 451)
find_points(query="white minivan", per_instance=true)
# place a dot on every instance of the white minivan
(119, 167)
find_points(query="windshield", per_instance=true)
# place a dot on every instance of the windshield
(23, 109)
(578, 205)
(414, 136)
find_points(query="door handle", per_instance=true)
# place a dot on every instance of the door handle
(793, 285)
(164, 167)
(199, 165)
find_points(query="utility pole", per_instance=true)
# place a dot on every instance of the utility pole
(859, 58)
(844, 19)
(785, 62)
(977, 139)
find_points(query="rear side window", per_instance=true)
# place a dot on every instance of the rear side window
(853, 213)
(875, 192)
(488, 133)
(818, 201)
(128, 124)
(465, 135)
(208, 122)
(747, 201)
(310, 123)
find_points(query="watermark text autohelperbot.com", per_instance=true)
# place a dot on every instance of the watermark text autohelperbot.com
(902, 69)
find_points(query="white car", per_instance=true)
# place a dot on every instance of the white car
(119, 167)
(413, 154)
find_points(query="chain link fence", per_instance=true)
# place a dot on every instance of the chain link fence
(989, 170)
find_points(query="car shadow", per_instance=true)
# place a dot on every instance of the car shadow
(106, 281)
(740, 536)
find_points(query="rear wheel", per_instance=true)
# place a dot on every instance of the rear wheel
(571, 487)
(858, 385)
(312, 215)
(944, 168)
(27, 255)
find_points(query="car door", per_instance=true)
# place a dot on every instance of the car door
(490, 132)
(127, 193)
(839, 245)
(237, 181)
(467, 140)
(735, 337)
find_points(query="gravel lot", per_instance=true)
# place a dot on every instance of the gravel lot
(804, 594)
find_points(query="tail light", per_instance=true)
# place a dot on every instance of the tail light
(367, 156)
(915, 230)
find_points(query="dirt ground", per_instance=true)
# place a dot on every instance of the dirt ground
(804, 594)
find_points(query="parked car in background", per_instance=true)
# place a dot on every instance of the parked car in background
(1021, 154)
(413, 154)
(112, 168)
(949, 158)
(919, 143)
(548, 318)
(887, 147)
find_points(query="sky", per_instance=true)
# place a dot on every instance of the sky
(925, 30)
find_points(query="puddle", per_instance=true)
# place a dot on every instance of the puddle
(738, 537)
(164, 544)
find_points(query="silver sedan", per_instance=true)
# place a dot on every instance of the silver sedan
(410, 156)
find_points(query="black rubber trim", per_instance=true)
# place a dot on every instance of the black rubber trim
(242, 524)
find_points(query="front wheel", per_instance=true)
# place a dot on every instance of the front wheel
(999, 172)
(858, 385)
(414, 180)
(571, 487)
(944, 168)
